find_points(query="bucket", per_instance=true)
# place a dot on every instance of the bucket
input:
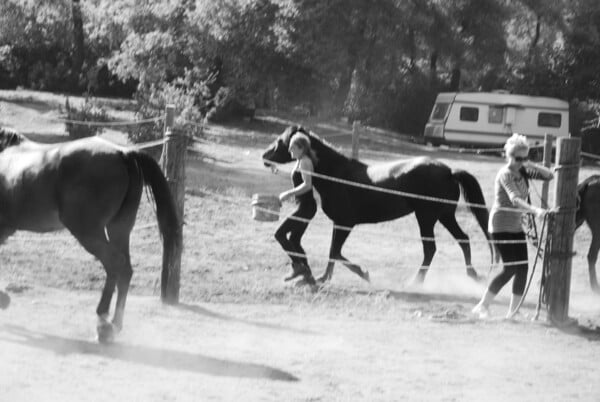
(265, 207)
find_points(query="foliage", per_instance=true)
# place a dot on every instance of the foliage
(152, 101)
(379, 61)
(90, 111)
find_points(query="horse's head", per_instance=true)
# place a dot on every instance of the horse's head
(8, 138)
(278, 151)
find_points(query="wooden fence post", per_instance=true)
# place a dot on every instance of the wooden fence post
(173, 165)
(548, 141)
(355, 138)
(561, 243)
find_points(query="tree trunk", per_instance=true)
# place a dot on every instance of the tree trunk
(412, 50)
(535, 40)
(455, 80)
(78, 45)
(433, 69)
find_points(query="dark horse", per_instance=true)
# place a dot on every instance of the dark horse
(92, 188)
(588, 193)
(380, 196)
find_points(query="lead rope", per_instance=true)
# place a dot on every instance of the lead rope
(542, 297)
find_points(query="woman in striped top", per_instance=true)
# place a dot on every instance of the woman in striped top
(510, 202)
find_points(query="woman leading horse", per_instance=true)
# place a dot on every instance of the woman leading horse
(353, 193)
(93, 189)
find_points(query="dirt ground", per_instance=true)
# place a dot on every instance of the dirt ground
(241, 334)
(428, 349)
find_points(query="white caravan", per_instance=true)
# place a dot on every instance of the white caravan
(487, 119)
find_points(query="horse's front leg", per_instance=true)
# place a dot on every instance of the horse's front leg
(338, 238)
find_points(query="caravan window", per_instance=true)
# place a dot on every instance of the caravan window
(549, 119)
(439, 111)
(495, 114)
(469, 113)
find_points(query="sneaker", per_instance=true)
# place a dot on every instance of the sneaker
(518, 316)
(298, 269)
(481, 311)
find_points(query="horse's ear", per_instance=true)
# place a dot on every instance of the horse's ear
(302, 130)
(290, 131)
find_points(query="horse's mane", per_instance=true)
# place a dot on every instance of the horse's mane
(9, 137)
(319, 144)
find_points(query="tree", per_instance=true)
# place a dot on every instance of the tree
(78, 41)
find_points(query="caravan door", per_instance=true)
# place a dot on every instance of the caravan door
(510, 113)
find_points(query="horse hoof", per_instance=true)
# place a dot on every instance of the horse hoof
(106, 332)
(323, 279)
(366, 276)
(4, 300)
(419, 278)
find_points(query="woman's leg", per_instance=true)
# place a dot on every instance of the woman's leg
(514, 257)
(510, 253)
(289, 234)
(306, 212)
(518, 286)
(288, 226)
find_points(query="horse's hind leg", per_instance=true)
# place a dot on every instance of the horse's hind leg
(120, 238)
(426, 224)
(118, 231)
(338, 238)
(592, 257)
(450, 223)
(113, 260)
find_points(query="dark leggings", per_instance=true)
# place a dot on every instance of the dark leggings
(291, 230)
(511, 252)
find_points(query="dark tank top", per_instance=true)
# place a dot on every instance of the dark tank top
(296, 181)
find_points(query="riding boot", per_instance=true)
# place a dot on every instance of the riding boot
(298, 269)
(482, 309)
(515, 300)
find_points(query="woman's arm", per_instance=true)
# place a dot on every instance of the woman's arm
(539, 172)
(524, 205)
(507, 182)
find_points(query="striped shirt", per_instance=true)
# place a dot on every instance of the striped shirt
(508, 186)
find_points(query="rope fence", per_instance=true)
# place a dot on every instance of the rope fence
(110, 123)
(397, 192)
(169, 135)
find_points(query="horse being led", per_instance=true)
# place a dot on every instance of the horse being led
(92, 188)
(348, 205)
(588, 193)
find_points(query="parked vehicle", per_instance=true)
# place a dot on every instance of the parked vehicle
(487, 119)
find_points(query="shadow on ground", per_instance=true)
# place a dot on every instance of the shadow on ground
(162, 358)
(209, 313)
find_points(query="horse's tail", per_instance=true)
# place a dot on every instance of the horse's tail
(474, 197)
(169, 222)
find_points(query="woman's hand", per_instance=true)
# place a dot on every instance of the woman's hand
(274, 169)
(540, 212)
(284, 196)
